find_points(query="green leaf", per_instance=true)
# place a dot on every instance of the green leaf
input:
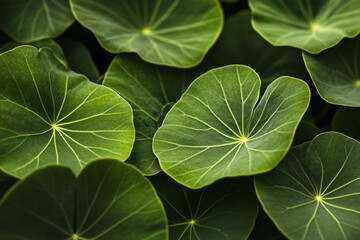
(306, 130)
(347, 121)
(109, 200)
(215, 130)
(309, 25)
(148, 88)
(79, 58)
(240, 44)
(336, 73)
(226, 210)
(174, 33)
(314, 192)
(48, 43)
(50, 115)
(33, 20)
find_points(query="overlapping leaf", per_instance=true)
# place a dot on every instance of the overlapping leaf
(240, 44)
(225, 210)
(148, 88)
(314, 192)
(174, 33)
(347, 121)
(33, 20)
(309, 25)
(336, 72)
(51, 115)
(108, 200)
(215, 130)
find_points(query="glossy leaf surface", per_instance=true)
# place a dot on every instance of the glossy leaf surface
(33, 20)
(336, 73)
(109, 200)
(216, 130)
(174, 33)
(51, 115)
(309, 25)
(225, 210)
(314, 192)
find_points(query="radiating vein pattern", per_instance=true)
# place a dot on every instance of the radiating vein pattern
(174, 33)
(317, 187)
(309, 25)
(33, 20)
(214, 212)
(108, 200)
(217, 130)
(61, 117)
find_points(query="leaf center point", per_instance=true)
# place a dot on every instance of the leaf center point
(192, 222)
(54, 126)
(243, 139)
(146, 31)
(314, 26)
(75, 236)
(318, 197)
(357, 83)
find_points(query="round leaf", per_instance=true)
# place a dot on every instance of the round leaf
(109, 200)
(174, 33)
(50, 115)
(34, 19)
(226, 210)
(314, 192)
(309, 25)
(148, 88)
(215, 130)
(336, 73)
(240, 44)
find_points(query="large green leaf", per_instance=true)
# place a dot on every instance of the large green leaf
(33, 20)
(215, 130)
(51, 115)
(148, 88)
(174, 33)
(336, 72)
(314, 192)
(109, 200)
(309, 25)
(240, 44)
(347, 121)
(225, 210)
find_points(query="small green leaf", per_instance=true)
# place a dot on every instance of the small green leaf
(226, 210)
(314, 192)
(309, 25)
(33, 20)
(51, 115)
(109, 200)
(215, 130)
(240, 44)
(148, 88)
(336, 72)
(174, 33)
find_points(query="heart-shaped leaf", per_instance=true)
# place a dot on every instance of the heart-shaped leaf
(174, 33)
(309, 25)
(215, 130)
(314, 192)
(148, 88)
(51, 115)
(336, 72)
(226, 210)
(240, 44)
(33, 20)
(108, 200)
